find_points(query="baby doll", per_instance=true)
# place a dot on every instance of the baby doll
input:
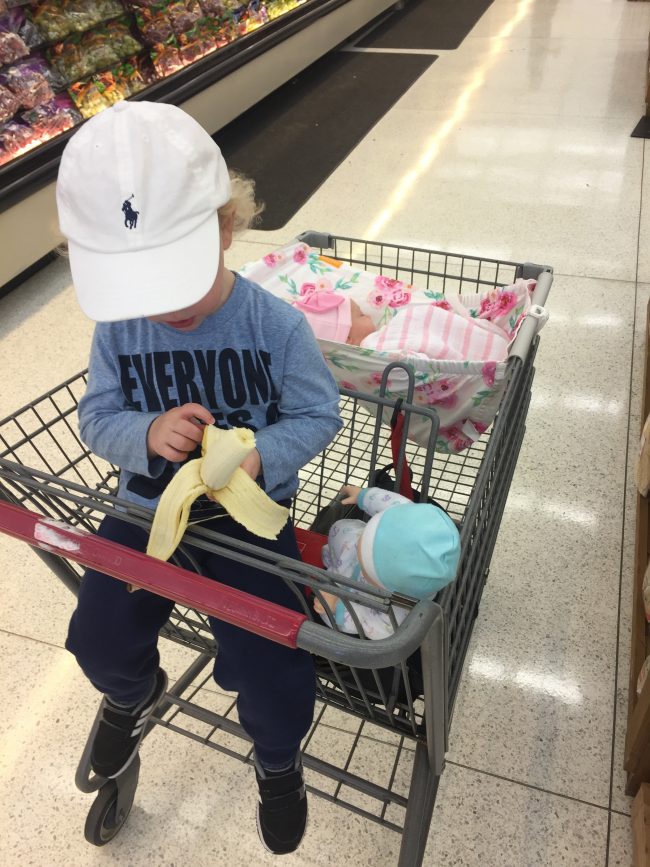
(427, 331)
(408, 548)
(335, 317)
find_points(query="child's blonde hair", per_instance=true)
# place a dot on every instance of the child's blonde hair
(242, 204)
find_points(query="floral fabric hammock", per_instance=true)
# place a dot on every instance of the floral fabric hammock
(465, 393)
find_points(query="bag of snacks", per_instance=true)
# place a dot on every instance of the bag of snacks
(213, 8)
(154, 24)
(210, 32)
(68, 59)
(132, 75)
(194, 45)
(80, 15)
(256, 15)
(183, 15)
(109, 9)
(122, 41)
(219, 32)
(106, 88)
(166, 58)
(9, 104)
(14, 20)
(88, 98)
(98, 49)
(53, 117)
(31, 81)
(84, 14)
(112, 88)
(59, 18)
(12, 45)
(16, 137)
(26, 29)
(50, 18)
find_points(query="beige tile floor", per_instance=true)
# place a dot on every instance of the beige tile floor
(520, 146)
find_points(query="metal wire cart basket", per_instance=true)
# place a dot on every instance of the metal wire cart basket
(398, 690)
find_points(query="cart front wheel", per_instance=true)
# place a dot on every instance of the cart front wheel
(104, 821)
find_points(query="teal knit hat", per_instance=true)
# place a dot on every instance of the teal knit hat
(411, 548)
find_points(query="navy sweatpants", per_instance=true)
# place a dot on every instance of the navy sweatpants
(114, 635)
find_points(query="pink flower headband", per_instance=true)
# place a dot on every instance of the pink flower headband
(328, 313)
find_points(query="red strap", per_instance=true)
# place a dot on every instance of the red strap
(396, 433)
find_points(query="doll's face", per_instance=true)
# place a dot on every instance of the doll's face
(362, 325)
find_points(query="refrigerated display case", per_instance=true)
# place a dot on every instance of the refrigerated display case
(61, 61)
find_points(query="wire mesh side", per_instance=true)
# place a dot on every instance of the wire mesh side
(44, 434)
(433, 271)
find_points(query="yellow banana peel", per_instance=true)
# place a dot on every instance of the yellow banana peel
(218, 474)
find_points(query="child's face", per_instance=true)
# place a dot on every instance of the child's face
(189, 318)
(362, 325)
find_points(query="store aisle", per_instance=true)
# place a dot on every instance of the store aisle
(514, 145)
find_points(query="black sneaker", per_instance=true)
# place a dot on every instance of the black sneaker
(282, 808)
(121, 730)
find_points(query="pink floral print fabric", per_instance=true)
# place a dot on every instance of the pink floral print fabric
(464, 391)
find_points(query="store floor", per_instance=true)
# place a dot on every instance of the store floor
(515, 145)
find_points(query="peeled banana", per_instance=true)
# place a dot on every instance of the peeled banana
(217, 473)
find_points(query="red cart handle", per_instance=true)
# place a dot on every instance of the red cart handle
(263, 618)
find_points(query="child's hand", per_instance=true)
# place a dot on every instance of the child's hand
(176, 433)
(351, 494)
(252, 464)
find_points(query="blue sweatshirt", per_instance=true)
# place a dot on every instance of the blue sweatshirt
(253, 363)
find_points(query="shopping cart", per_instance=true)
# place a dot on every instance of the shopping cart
(391, 699)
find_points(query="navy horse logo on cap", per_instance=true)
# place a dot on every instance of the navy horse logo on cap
(130, 216)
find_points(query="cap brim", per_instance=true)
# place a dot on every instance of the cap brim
(116, 286)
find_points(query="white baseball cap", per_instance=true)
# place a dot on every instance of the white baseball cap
(138, 192)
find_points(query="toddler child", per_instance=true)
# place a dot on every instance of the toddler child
(145, 201)
(408, 548)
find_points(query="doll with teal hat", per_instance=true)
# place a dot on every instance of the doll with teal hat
(407, 548)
